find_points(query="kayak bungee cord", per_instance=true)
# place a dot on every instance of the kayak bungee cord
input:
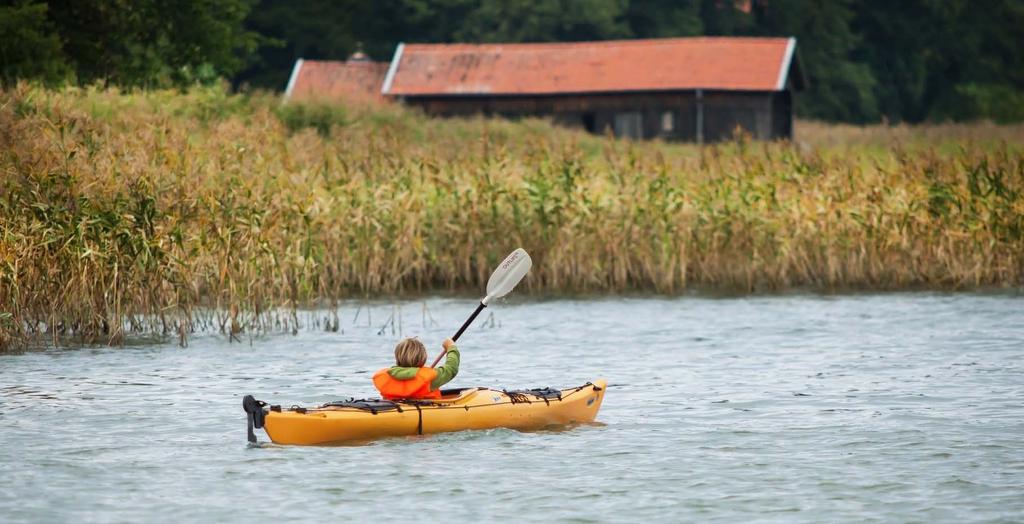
(381, 405)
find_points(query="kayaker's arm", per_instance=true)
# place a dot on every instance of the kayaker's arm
(448, 371)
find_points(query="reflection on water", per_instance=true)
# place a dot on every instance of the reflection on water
(851, 408)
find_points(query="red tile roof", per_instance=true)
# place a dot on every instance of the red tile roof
(713, 63)
(353, 80)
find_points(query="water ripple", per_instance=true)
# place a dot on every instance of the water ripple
(896, 407)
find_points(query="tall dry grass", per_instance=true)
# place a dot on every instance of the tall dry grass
(947, 136)
(140, 212)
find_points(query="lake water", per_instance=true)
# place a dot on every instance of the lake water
(894, 407)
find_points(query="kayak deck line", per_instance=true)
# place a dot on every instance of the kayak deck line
(515, 397)
(456, 410)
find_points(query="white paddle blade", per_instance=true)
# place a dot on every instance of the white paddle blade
(509, 273)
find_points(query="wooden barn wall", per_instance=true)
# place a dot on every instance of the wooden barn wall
(725, 112)
(765, 115)
(782, 115)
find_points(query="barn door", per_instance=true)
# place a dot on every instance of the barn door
(629, 125)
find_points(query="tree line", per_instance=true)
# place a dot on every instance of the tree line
(866, 60)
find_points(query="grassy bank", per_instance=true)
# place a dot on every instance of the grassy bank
(124, 212)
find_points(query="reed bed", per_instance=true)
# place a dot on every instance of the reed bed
(166, 212)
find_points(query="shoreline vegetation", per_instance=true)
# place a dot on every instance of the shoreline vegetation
(119, 206)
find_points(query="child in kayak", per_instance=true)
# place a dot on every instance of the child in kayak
(408, 378)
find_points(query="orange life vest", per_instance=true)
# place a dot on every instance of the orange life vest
(417, 387)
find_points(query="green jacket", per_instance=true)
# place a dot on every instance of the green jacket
(445, 373)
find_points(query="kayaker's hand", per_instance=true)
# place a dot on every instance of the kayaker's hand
(447, 344)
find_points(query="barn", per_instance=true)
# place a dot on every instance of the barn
(699, 89)
(356, 80)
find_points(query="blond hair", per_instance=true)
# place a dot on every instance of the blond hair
(410, 353)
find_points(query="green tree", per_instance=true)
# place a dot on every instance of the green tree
(433, 21)
(945, 59)
(30, 48)
(545, 21)
(312, 29)
(131, 43)
(841, 88)
(894, 44)
(664, 18)
(726, 17)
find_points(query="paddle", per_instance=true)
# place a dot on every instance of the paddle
(502, 281)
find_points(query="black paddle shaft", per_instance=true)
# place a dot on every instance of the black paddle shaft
(470, 321)
(461, 329)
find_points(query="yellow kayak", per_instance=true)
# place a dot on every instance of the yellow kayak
(456, 410)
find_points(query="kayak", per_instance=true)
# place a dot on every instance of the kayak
(456, 410)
